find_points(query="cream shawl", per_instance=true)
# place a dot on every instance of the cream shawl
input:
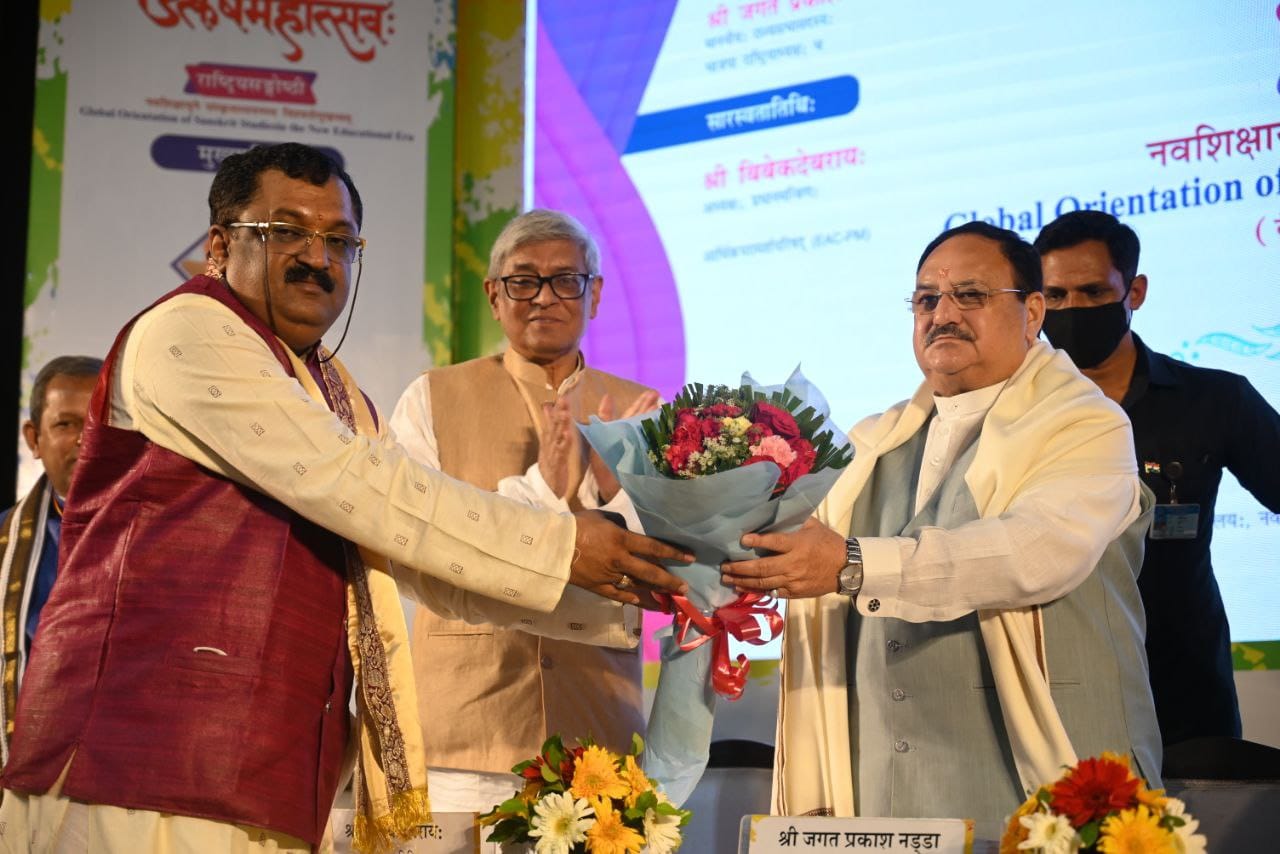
(391, 765)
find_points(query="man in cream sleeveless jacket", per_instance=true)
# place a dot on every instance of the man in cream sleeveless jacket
(981, 627)
(507, 423)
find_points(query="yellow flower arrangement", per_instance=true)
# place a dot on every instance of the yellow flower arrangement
(587, 800)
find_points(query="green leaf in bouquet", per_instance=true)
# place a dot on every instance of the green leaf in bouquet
(554, 752)
(637, 744)
(1088, 834)
(554, 742)
(514, 807)
(510, 830)
(668, 808)
(647, 801)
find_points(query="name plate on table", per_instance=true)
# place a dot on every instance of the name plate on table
(764, 834)
(448, 833)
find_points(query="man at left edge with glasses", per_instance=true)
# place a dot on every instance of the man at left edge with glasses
(225, 577)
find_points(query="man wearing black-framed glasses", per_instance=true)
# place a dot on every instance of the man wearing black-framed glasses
(509, 422)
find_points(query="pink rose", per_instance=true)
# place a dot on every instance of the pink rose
(774, 448)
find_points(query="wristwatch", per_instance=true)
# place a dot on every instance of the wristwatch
(850, 578)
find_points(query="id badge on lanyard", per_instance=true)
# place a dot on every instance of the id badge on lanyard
(1172, 521)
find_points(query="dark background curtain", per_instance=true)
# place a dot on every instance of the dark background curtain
(19, 28)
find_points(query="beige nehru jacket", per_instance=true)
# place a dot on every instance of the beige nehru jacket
(521, 686)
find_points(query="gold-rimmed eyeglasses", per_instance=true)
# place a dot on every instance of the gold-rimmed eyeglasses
(291, 239)
(966, 299)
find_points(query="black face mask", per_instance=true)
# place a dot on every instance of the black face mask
(1089, 335)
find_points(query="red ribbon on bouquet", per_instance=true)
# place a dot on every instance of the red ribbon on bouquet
(737, 620)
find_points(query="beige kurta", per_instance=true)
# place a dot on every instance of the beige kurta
(492, 556)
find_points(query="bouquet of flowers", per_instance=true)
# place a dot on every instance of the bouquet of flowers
(713, 464)
(1101, 805)
(709, 430)
(587, 800)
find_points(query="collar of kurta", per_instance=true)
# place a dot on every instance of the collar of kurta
(535, 375)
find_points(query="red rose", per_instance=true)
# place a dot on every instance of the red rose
(685, 417)
(801, 465)
(778, 421)
(677, 453)
(721, 410)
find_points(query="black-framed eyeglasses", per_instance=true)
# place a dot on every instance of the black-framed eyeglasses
(290, 239)
(966, 299)
(526, 286)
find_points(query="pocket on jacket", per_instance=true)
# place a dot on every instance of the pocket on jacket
(210, 658)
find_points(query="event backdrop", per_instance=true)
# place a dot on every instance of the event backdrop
(138, 101)
(763, 176)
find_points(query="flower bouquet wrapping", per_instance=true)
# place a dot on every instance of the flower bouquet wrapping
(1101, 805)
(587, 799)
(714, 464)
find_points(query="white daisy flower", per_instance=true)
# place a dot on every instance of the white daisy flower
(1190, 842)
(1049, 834)
(661, 832)
(560, 822)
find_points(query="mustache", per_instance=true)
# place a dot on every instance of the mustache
(300, 272)
(950, 329)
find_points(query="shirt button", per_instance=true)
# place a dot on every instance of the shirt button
(894, 645)
(898, 694)
(873, 605)
(901, 746)
(546, 662)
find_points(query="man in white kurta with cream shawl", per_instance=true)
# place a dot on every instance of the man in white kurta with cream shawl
(980, 628)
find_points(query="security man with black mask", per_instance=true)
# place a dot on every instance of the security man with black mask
(1189, 424)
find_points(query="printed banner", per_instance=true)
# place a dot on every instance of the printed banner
(139, 101)
(762, 176)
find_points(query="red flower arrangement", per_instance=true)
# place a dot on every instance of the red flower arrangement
(1100, 805)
